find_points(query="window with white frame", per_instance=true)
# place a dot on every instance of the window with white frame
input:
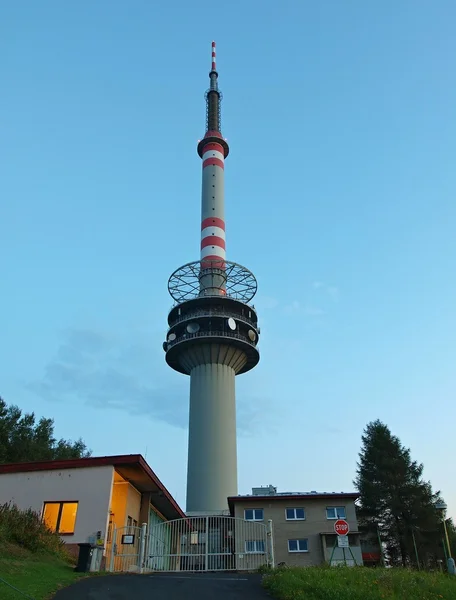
(253, 514)
(335, 512)
(298, 545)
(194, 537)
(254, 547)
(295, 514)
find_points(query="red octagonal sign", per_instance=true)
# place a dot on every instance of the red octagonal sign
(341, 527)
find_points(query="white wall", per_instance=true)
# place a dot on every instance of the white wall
(91, 487)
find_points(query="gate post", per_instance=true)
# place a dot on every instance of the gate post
(271, 544)
(113, 547)
(207, 544)
(142, 547)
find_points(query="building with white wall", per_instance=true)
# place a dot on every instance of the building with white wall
(83, 499)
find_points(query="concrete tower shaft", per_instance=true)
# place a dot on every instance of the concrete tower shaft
(213, 330)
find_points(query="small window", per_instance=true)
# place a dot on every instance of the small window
(298, 546)
(253, 514)
(295, 514)
(335, 512)
(254, 547)
(60, 516)
(109, 533)
(194, 537)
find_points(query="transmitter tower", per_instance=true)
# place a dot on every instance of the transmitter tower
(213, 330)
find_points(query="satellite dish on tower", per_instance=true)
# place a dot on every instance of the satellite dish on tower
(231, 323)
(252, 335)
(171, 337)
(193, 327)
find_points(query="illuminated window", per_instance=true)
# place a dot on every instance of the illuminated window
(60, 516)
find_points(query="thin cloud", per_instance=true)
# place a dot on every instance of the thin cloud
(296, 307)
(125, 373)
(293, 307)
(331, 290)
(267, 302)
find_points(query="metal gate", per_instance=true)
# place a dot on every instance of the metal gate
(216, 543)
(126, 549)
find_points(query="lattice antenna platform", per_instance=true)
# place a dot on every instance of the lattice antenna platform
(232, 281)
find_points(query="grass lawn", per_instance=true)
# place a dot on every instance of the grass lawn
(38, 575)
(345, 583)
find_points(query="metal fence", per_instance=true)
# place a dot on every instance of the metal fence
(126, 549)
(212, 543)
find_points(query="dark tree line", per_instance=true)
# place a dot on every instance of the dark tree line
(24, 439)
(397, 504)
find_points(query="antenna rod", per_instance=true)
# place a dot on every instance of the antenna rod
(213, 114)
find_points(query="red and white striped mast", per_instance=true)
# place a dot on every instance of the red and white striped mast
(213, 149)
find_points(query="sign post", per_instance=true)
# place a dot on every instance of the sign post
(341, 527)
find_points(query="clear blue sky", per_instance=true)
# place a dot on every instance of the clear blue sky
(340, 197)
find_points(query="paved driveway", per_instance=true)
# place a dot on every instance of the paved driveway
(210, 586)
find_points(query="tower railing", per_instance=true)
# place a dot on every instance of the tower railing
(214, 313)
(214, 334)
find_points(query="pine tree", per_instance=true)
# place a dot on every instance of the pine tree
(23, 439)
(395, 501)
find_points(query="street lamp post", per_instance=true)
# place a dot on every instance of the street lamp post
(450, 561)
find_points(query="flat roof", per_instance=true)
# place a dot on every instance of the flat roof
(232, 500)
(355, 531)
(131, 467)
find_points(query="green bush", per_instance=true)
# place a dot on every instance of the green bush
(26, 529)
(358, 583)
(264, 569)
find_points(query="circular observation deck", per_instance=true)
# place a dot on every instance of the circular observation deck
(214, 323)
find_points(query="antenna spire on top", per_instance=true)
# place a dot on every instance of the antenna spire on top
(214, 66)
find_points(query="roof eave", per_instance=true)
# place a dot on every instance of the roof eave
(92, 462)
(232, 500)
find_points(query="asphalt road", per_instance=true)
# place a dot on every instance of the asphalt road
(210, 586)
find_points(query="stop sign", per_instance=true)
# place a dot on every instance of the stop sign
(341, 527)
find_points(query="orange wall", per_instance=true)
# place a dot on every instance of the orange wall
(125, 501)
(133, 506)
